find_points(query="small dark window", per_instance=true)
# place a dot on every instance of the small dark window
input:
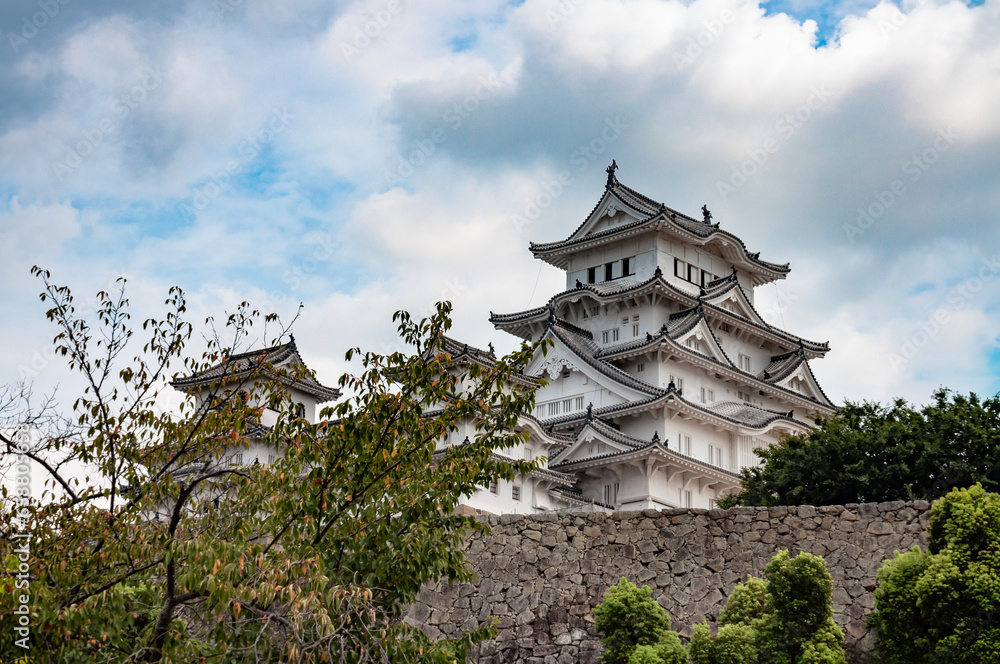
(300, 410)
(678, 268)
(628, 267)
(608, 271)
(591, 275)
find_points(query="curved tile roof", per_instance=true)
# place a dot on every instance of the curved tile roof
(653, 211)
(240, 365)
(658, 281)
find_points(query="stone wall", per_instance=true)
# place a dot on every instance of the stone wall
(541, 575)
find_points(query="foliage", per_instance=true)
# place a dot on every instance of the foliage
(787, 619)
(166, 553)
(746, 603)
(942, 605)
(668, 651)
(871, 453)
(629, 617)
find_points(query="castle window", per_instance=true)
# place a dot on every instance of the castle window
(567, 406)
(640, 367)
(553, 408)
(579, 403)
(515, 492)
(611, 493)
(595, 311)
(744, 362)
(610, 335)
(270, 458)
(707, 395)
(609, 271)
(591, 275)
(635, 329)
(528, 454)
(493, 487)
(628, 266)
(693, 344)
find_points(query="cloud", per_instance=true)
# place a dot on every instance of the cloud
(422, 142)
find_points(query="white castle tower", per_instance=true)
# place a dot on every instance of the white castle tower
(662, 377)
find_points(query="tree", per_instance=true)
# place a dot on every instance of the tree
(636, 628)
(943, 604)
(310, 558)
(871, 453)
(787, 619)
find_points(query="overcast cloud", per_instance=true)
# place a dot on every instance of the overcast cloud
(364, 157)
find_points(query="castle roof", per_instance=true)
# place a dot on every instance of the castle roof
(521, 322)
(237, 367)
(653, 216)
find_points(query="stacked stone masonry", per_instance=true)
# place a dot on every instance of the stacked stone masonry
(542, 575)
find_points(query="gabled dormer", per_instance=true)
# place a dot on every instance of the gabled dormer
(244, 373)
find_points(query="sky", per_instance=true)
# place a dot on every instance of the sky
(359, 158)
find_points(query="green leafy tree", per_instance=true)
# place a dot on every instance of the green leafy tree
(870, 453)
(798, 626)
(943, 604)
(787, 619)
(629, 617)
(165, 553)
(732, 644)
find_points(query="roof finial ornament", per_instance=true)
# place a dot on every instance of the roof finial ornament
(656, 436)
(649, 337)
(579, 284)
(658, 273)
(707, 216)
(671, 385)
(590, 411)
(610, 170)
(490, 346)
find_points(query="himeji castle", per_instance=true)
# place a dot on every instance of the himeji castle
(659, 381)
(661, 378)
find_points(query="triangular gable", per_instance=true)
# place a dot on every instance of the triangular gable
(803, 378)
(707, 344)
(561, 356)
(610, 212)
(735, 300)
(589, 443)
